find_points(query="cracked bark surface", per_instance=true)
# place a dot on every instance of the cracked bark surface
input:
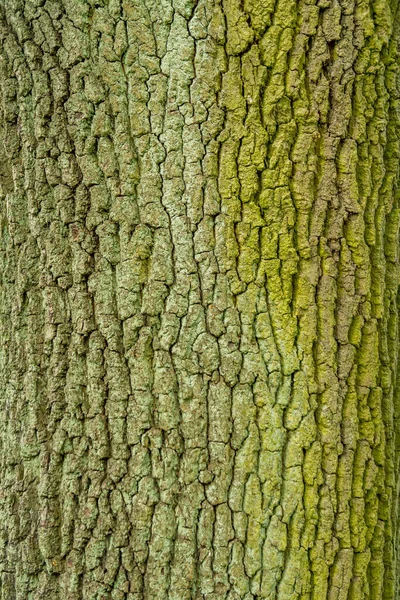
(199, 272)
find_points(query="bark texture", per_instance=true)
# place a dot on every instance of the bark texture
(199, 314)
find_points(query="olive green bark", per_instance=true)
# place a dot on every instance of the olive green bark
(199, 315)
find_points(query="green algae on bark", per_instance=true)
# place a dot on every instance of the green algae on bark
(199, 272)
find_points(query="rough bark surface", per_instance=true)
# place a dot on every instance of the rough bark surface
(199, 327)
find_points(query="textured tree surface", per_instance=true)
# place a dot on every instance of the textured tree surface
(199, 326)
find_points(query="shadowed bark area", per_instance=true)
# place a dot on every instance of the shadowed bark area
(199, 314)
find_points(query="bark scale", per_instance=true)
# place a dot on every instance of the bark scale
(199, 266)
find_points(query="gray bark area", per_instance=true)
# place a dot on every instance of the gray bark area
(199, 270)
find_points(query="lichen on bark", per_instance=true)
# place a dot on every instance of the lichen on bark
(199, 273)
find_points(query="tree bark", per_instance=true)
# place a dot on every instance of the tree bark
(199, 313)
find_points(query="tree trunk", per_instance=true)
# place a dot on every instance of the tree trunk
(199, 314)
